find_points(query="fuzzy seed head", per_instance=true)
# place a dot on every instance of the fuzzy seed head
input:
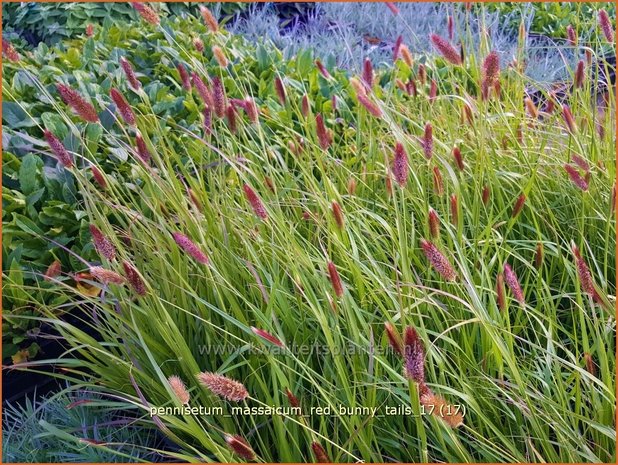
(219, 98)
(106, 276)
(209, 19)
(400, 166)
(438, 185)
(324, 137)
(538, 256)
(338, 214)
(433, 221)
(440, 408)
(267, 336)
(102, 244)
(438, 261)
(368, 73)
(280, 90)
(490, 73)
(397, 48)
(370, 105)
(184, 76)
(130, 74)
(394, 339)
(255, 202)
(320, 453)
(433, 90)
(134, 278)
(53, 270)
(89, 30)
(406, 55)
(427, 141)
(584, 275)
(9, 52)
(219, 55)
(606, 25)
(180, 390)
(147, 13)
(61, 153)
(190, 248)
(203, 90)
(513, 283)
(589, 362)
(223, 386)
(519, 205)
(414, 356)
(322, 69)
(446, 49)
(294, 402)
(485, 195)
(79, 104)
(571, 35)
(568, 119)
(335, 279)
(142, 150)
(240, 446)
(454, 205)
(458, 157)
(391, 6)
(575, 177)
(580, 74)
(198, 44)
(123, 107)
(500, 292)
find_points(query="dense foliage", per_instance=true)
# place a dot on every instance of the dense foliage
(271, 243)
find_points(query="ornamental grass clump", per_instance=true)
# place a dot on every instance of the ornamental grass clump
(266, 222)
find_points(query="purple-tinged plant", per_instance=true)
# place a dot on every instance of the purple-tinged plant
(190, 248)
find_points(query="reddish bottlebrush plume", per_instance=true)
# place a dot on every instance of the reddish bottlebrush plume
(571, 35)
(588, 54)
(179, 389)
(53, 270)
(389, 185)
(351, 186)
(466, 114)
(394, 339)
(440, 408)
(304, 106)
(324, 138)
(333, 101)
(519, 205)
(294, 402)
(520, 133)
(223, 386)
(207, 123)
(209, 19)
(9, 51)
(195, 199)
(106, 276)
(550, 104)
(391, 6)
(218, 97)
(446, 50)
(450, 27)
(500, 292)
(255, 202)
(454, 204)
(147, 13)
(458, 158)
(575, 177)
(397, 47)
(497, 89)
(402, 87)
(422, 73)
(89, 30)
(134, 278)
(203, 90)
(371, 106)
(130, 73)
(490, 72)
(190, 248)
(123, 107)
(73, 99)
(240, 446)
(184, 77)
(434, 224)
(406, 55)
(581, 162)
(612, 201)
(368, 73)
(400, 165)
(427, 141)
(578, 79)
(485, 195)
(584, 275)
(531, 108)
(462, 52)
(323, 71)
(538, 256)
(414, 356)
(590, 368)
(338, 214)
(219, 55)
(335, 279)
(606, 25)
(433, 90)
(358, 86)
(280, 90)
(230, 114)
(320, 453)
(513, 283)
(198, 44)
(102, 244)
(568, 119)
(61, 153)
(251, 109)
(267, 336)
(439, 262)
(438, 185)
(411, 88)
(142, 150)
